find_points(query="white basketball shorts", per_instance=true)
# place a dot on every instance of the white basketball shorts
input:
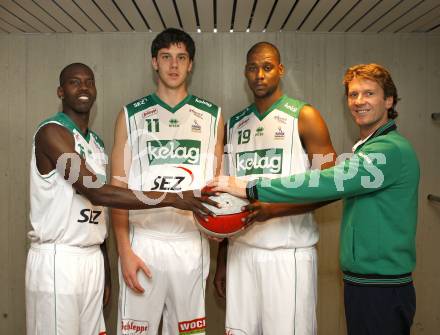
(271, 292)
(176, 291)
(64, 290)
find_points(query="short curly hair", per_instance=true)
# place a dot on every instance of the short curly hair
(380, 75)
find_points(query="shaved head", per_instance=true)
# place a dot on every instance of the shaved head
(64, 72)
(264, 45)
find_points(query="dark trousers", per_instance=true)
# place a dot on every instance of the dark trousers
(379, 310)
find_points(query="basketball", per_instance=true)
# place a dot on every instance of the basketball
(228, 219)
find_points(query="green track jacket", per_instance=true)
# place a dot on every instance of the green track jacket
(379, 185)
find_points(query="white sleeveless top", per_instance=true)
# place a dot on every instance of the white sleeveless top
(58, 213)
(172, 149)
(269, 146)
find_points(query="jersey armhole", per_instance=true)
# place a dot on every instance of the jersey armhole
(45, 176)
(217, 120)
(127, 126)
(297, 124)
(229, 159)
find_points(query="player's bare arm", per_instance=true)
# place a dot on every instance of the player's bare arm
(220, 271)
(315, 137)
(219, 146)
(218, 156)
(120, 163)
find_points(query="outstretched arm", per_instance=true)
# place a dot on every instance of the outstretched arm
(54, 146)
(219, 146)
(375, 167)
(222, 248)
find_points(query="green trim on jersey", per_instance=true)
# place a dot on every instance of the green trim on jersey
(139, 105)
(174, 109)
(152, 99)
(275, 105)
(68, 123)
(48, 176)
(204, 105)
(290, 106)
(97, 139)
(238, 117)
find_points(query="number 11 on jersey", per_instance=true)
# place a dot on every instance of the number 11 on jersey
(152, 123)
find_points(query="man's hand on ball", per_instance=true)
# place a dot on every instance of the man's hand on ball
(228, 184)
(193, 201)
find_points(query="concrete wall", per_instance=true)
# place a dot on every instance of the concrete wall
(315, 63)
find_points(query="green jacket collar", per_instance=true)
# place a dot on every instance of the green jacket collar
(385, 129)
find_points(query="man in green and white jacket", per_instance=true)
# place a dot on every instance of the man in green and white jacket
(379, 185)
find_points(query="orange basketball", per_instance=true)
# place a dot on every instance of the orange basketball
(227, 220)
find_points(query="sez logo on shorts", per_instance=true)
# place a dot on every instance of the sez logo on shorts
(134, 327)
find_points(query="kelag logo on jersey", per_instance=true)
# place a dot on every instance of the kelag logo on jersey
(266, 161)
(173, 152)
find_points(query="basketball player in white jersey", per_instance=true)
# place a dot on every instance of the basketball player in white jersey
(270, 283)
(65, 267)
(173, 141)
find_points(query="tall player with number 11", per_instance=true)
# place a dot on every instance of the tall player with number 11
(170, 139)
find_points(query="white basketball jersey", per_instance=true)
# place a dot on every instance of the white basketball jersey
(269, 145)
(172, 150)
(58, 213)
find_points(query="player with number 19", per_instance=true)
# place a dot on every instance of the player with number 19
(272, 265)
